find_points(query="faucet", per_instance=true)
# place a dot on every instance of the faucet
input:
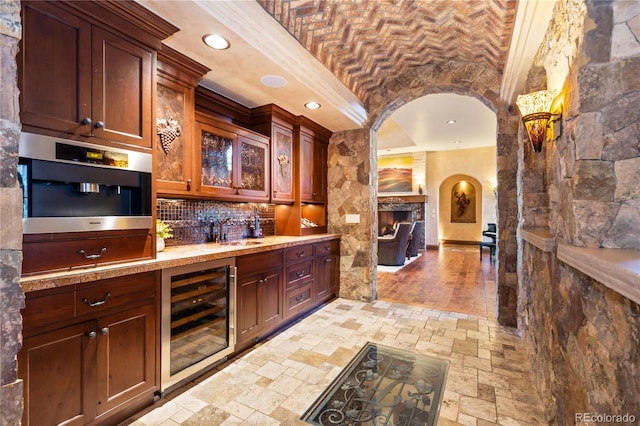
(223, 236)
(210, 235)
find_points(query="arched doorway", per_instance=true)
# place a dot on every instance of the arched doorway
(353, 176)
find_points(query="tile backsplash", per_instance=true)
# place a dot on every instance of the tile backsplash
(191, 220)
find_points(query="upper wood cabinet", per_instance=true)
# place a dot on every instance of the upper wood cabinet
(175, 120)
(232, 162)
(277, 123)
(78, 77)
(313, 141)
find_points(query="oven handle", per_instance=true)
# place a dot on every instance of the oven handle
(93, 256)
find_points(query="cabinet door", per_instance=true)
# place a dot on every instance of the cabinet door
(126, 356)
(59, 373)
(272, 312)
(122, 87)
(281, 164)
(55, 69)
(253, 168)
(174, 140)
(306, 167)
(215, 159)
(259, 304)
(325, 275)
(247, 310)
(319, 180)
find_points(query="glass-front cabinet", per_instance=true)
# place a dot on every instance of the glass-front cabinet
(233, 162)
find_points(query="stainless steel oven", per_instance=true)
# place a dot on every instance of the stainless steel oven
(198, 318)
(71, 186)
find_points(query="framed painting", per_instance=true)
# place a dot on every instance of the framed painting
(463, 199)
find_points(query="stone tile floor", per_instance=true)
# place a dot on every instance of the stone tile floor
(489, 379)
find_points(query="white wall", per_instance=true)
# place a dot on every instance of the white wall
(479, 163)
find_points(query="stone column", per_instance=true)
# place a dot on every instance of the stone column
(351, 183)
(11, 294)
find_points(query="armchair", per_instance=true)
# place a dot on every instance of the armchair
(416, 237)
(392, 249)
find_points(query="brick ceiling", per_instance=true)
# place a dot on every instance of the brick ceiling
(365, 42)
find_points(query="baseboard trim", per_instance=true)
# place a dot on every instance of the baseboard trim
(468, 243)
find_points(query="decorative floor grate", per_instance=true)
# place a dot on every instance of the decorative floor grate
(382, 386)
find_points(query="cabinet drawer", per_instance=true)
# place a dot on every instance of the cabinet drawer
(47, 307)
(296, 253)
(298, 273)
(115, 293)
(72, 250)
(326, 247)
(298, 300)
(259, 262)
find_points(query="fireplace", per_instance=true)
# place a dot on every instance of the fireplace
(400, 208)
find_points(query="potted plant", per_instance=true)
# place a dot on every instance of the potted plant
(163, 231)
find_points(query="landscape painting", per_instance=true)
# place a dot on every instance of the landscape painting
(395, 174)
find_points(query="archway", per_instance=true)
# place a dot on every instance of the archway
(353, 176)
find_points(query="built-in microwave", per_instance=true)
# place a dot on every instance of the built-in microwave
(72, 186)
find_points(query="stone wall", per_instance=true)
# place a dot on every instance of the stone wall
(353, 175)
(11, 294)
(584, 337)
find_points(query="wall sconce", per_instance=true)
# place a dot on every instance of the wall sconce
(535, 109)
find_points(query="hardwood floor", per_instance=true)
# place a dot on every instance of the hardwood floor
(452, 278)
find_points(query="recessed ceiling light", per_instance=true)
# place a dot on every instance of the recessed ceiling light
(312, 105)
(451, 122)
(216, 41)
(273, 81)
(457, 142)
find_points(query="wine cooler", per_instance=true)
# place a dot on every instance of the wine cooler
(198, 318)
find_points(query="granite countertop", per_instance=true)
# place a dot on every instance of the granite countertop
(170, 257)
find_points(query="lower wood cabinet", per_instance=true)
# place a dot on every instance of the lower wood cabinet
(327, 270)
(90, 368)
(276, 287)
(259, 294)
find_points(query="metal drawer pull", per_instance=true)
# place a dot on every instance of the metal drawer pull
(327, 260)
(99, 302)
(300, 274)
(93, 256)
(300, 253)
(262, 281)
(92, 335)
(300, 298)
(104, 331)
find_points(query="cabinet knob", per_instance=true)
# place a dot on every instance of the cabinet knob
(104, 331)
(264, 280)
(86, 120)
(92, 335)
(99, 124)
(300, 254)
(327, 260)
(300, 298)
(300, 274)
(188, 184)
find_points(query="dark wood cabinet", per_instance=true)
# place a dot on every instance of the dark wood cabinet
(80, 78)
(89, 352)
(327, 270)
(300, 279)
(58, 251)
(259, 295)
(232, 163)
(175, 119)
(273, 121)
(313, 166)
